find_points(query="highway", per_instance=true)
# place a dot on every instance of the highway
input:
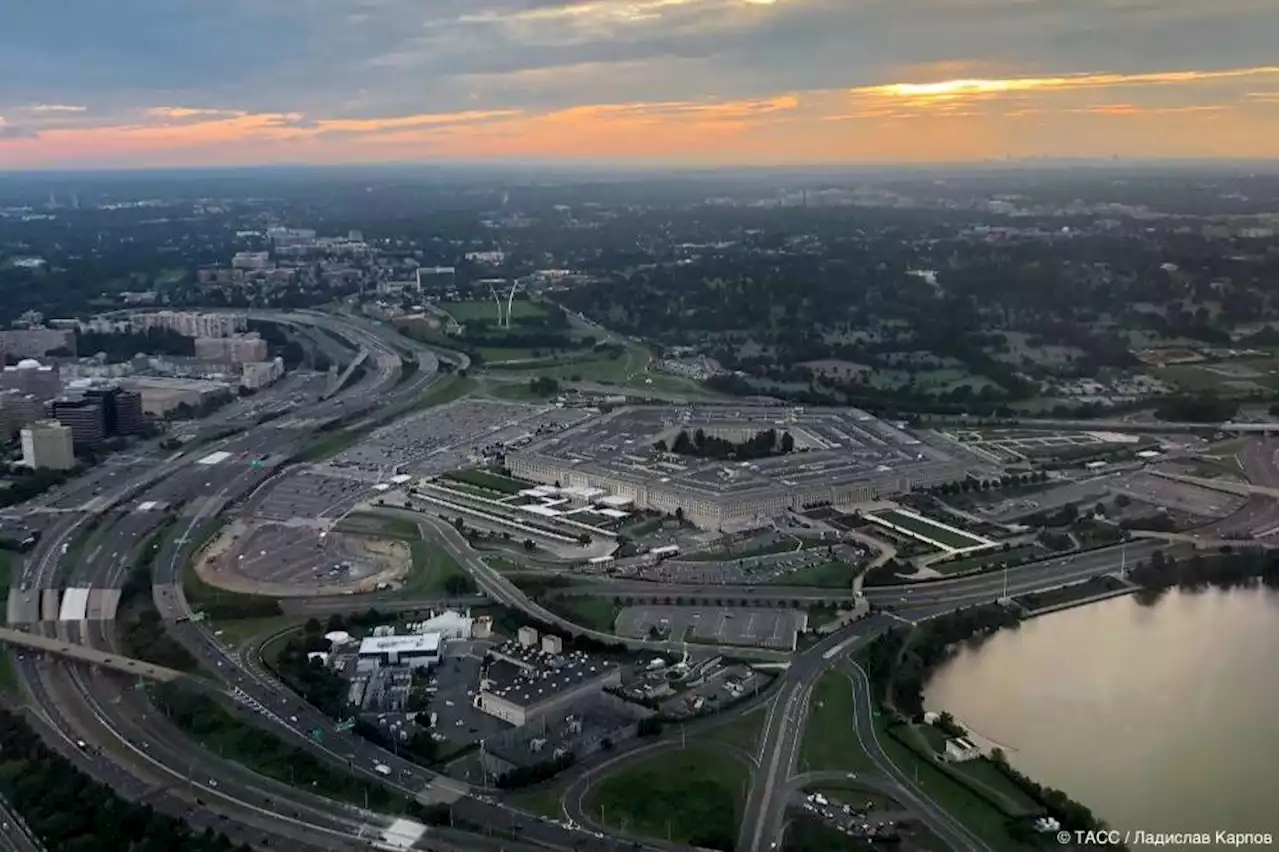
(149, 758)
(200, 492)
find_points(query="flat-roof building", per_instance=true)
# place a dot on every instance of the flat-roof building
(418, 650)
(47, 444)
(520, 684)
(836, 455)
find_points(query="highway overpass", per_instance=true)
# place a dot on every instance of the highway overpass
(85, 654)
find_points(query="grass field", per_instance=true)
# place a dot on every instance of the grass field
(984, 560)
(486, 309)
(1072, 593)
(596, 613)
(829, 738)
(827, 575)
(235, 632)
(929, 530)
(693, 796)
(977, 814)
(743, 732)
(488, 481)
(543, 800)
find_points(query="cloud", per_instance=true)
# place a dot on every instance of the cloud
(181, 113)
(55, 108)
(14, 131)
(389, 72)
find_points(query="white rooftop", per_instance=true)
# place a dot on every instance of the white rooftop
(422, 643)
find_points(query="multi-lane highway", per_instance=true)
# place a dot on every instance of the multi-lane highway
(95, 537)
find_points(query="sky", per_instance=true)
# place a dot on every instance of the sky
(168, 83)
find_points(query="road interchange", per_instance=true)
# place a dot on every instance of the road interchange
(69, 699)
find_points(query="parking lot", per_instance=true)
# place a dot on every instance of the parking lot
(1179, 496)
(299, 559)
(457, 679)
(765, 628)
(444, 437)
(309, 495)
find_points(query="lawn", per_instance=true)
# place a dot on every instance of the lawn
(977, 814)
(488, 481)
(829, 739)
(544, 799)
(486, 309)
(826, 575)
(235, 632)
(743, 732)
(596, 613)
(929, 530)
(1069, 594)
(1012, 556)
(433, 571)
(601, 369)
(692, 796)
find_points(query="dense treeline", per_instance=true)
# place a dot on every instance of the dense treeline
(122, 347)
(904, 668)
(525, 776)
(1223, 570)
(758, 446)
(69, 812)
(141, 629)
(327, 691)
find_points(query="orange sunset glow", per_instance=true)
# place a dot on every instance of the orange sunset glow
(690, 109)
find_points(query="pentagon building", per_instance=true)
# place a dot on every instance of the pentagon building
(841, 455)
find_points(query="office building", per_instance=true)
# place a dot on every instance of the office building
(237, 349)
(17, 409)
(121, 409)
(419, 650)
(163, 394)
(30, 376)
(190, 324)
(434, 279)
(259, 374)
(251, 260)
(36, 342)
(84, 417)
(48, 444)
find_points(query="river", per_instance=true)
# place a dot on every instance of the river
(1161, 718)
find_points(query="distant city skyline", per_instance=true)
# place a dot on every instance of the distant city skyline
(659, 82)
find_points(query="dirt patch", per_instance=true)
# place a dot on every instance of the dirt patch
(279, 560)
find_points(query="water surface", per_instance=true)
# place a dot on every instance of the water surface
(1161, 718)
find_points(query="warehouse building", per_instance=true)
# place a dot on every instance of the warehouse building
(520, 684)
(418, 650)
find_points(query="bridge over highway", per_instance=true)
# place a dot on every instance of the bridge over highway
(1245, 489)
(85, 654)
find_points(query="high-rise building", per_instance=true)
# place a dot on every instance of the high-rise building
(30, 376)
(259, 374)
(238, 349)
(121, 409)
(434, 279)
(190, 324)
(85, 418)
(48, 444)
(17, 409)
